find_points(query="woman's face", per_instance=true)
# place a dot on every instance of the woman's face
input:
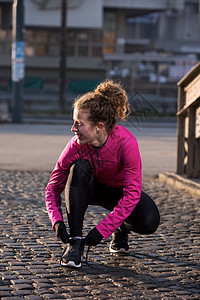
(82, 127)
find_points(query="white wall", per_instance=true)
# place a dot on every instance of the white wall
(86, 14)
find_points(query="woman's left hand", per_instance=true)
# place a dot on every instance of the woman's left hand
(93, 238)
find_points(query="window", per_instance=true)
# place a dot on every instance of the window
(96, 51)
(53, 50)
(82, 37)
(109, 42)
(96, 37)
(41, 36)
(109, 32)
(142, 26)
(71, 37)
(82, 51)
(54, 37)
(29, 49)
(41, 50)
(29, 36)
(78, 43)
(70, 51)
(110, 21)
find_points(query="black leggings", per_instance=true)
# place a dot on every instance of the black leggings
(83, 189)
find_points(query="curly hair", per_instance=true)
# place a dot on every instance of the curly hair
(107, 103)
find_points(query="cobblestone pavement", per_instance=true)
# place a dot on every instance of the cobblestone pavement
(165, 265)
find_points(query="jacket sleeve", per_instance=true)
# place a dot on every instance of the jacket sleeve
(58, 179)
(132, 185)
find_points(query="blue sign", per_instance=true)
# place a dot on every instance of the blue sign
(17, 60)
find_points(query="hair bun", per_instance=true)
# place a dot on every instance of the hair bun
(104, 89)
(115, 95)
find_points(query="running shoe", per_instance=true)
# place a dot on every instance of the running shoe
(72, 254)
(119, 242)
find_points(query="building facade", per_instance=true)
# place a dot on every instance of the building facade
(148, 45)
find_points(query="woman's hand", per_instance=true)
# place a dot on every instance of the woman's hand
(93, 238)
(61, 232)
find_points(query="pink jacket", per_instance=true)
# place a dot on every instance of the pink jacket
(116, 164)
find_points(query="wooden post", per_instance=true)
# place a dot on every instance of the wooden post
(191, 136)
(180, 133)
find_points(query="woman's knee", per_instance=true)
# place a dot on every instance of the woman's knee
(152, 222)
(151, 227)
(145, 228)
(145, 218)
(82, 170)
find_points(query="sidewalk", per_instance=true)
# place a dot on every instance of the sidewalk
(164, 265)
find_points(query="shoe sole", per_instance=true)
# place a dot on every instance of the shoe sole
(70, 264)
(121, 250)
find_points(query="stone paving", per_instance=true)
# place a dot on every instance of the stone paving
(165, 265)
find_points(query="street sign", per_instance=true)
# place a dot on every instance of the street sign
(17, 61)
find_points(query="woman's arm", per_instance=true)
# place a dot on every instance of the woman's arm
(58, 179)
(132, 185)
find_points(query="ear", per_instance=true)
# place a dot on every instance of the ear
(100, 126)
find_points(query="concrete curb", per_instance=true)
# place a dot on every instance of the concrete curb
(189, 185)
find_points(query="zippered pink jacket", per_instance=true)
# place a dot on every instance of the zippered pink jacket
(117, 163)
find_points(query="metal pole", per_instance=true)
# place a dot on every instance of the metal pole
(199, 14)
(62, 69)
(18, 59)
